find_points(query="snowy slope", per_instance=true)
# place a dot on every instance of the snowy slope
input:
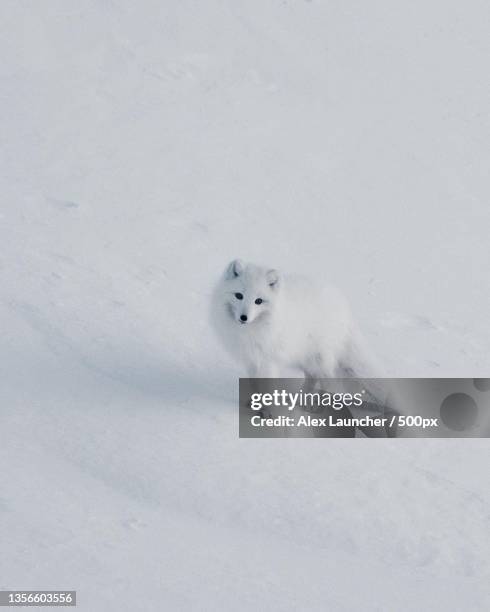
(143, 145)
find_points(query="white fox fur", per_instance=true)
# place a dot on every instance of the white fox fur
(298, 325)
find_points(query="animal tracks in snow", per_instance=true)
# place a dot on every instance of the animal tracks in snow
(395, 320)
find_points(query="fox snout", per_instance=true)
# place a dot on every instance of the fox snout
(243, 318)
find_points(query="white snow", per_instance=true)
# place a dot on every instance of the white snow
(143, 146)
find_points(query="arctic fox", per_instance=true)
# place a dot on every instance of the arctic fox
(272, 322)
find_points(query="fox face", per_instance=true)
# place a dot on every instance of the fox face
(250, 292)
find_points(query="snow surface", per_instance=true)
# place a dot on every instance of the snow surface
(145, 144)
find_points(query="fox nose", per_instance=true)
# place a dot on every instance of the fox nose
(243, 318)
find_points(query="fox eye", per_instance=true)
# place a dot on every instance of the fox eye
(239, 296)
(259, 301)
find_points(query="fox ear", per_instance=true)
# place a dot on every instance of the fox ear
(235, 268)
(272, 277)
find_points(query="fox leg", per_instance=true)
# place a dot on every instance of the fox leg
(262, 370)
(319, 365)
